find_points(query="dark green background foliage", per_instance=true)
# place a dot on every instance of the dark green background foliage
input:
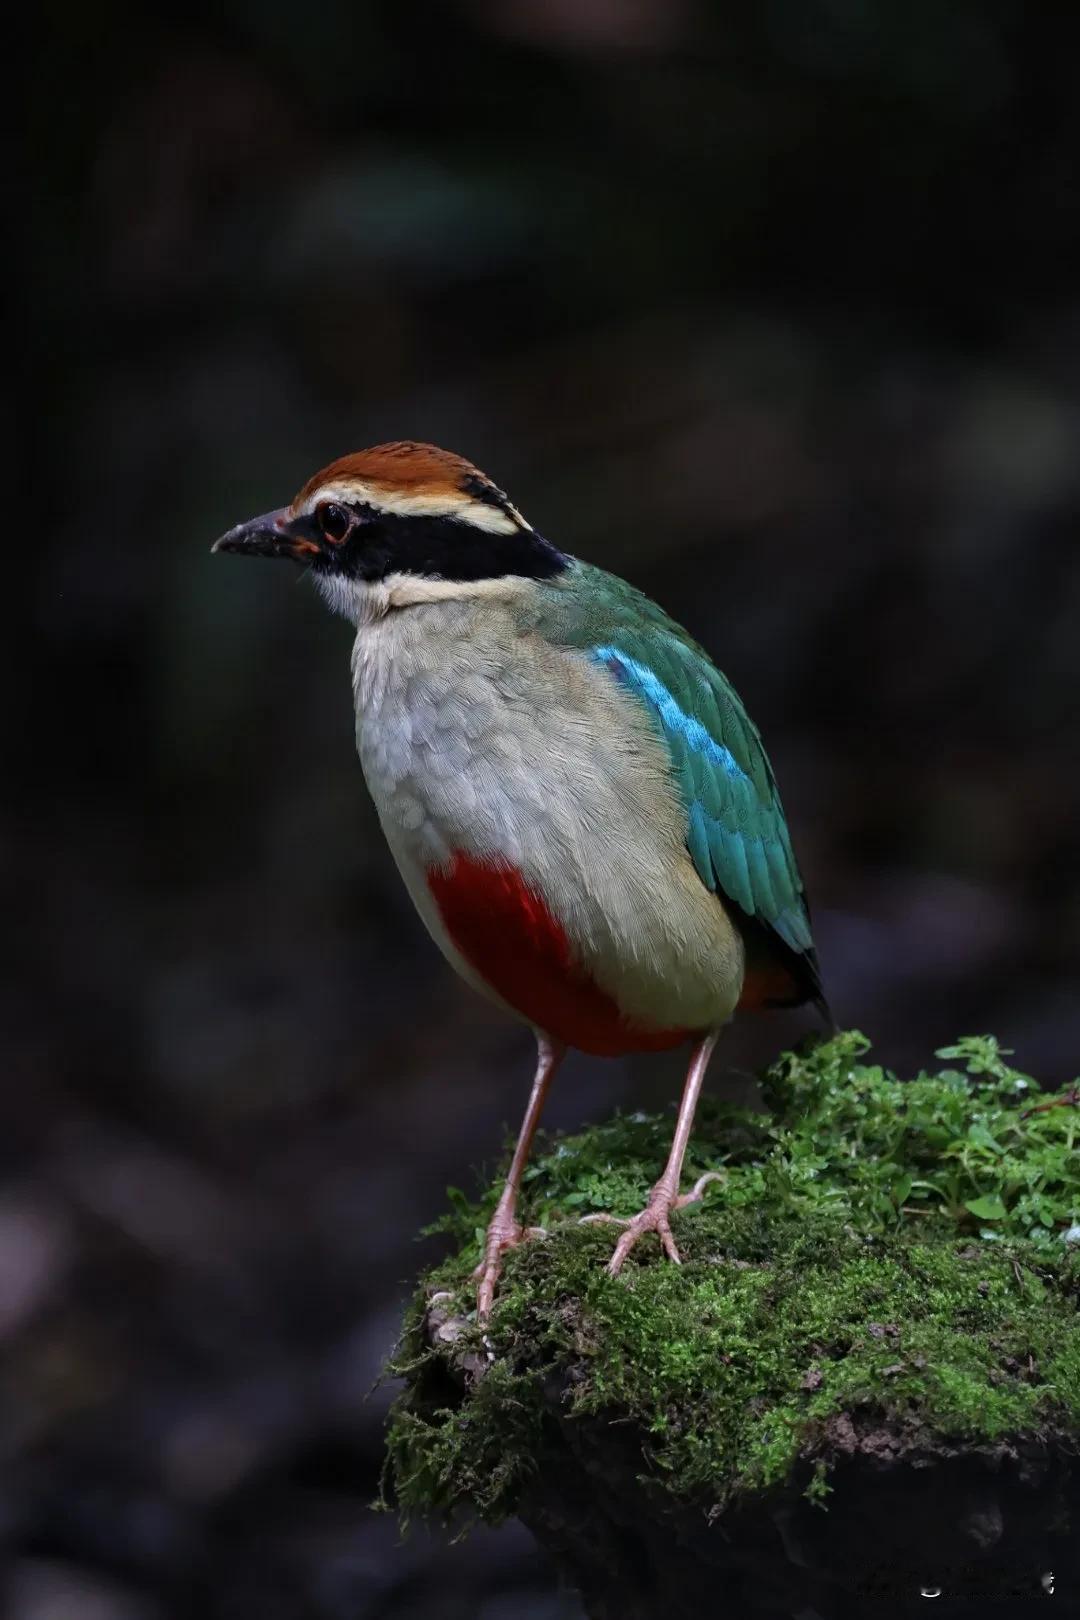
(904, 1250)
(771, 308)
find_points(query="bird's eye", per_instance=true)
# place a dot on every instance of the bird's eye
(334, 521)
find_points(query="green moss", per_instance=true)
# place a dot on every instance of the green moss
(876, 1250)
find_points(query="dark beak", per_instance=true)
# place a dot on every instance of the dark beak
(275, 534)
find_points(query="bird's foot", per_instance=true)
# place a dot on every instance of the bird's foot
(1070, 1099)
(655, 1217)
(503, 1234)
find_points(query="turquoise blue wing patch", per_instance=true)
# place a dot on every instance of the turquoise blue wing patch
(736, 831)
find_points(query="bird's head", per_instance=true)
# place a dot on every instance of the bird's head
(400, 522)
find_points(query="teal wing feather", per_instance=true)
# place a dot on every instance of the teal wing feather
(736, 831)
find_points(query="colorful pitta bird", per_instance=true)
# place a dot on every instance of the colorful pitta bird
(576, 799)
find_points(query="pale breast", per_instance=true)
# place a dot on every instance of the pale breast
(476, 738)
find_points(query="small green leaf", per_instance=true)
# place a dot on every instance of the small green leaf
(987, 1208)
(983, 1138)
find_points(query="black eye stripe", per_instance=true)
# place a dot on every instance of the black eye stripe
(383, 543)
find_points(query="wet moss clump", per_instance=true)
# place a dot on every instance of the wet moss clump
(887, 1268)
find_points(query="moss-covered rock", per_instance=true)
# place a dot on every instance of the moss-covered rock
(883, 1286)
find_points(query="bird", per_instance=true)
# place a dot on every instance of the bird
(579, 805)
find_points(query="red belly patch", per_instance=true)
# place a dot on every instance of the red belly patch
(508, 936)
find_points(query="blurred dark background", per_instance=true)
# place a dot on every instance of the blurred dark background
(774, 309)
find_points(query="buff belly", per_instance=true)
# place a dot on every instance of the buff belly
(530, 809)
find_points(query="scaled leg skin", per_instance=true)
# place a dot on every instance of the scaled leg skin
(503, 1232)
(664, 1198)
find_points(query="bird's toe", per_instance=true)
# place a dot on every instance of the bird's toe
(501, 1238)
(655, 1217)
(697, 1191)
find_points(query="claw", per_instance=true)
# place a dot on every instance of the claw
(655, 1217)
(500, 1239)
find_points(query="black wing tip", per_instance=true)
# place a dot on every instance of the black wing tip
(816, 996)
(801, 968)
(805, 969)
(825, 1013)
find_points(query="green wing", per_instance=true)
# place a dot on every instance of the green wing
(736, 831)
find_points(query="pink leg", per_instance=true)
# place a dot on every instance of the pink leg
(503, 1232)
(656, 1216)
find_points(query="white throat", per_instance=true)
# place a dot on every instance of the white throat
(347, 597)
(362, 602)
